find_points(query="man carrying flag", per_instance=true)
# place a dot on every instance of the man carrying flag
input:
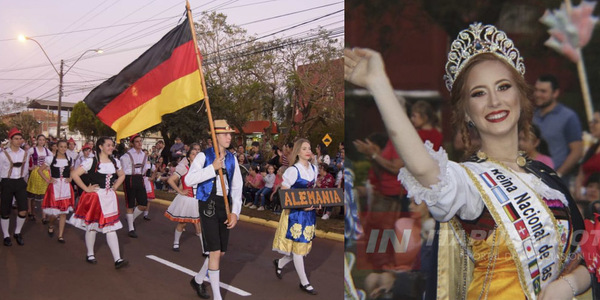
(213, 216)
(135, 164)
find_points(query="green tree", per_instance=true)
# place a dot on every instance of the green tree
(85, 121)
(4, 128)
(316, 87)
(26, 123)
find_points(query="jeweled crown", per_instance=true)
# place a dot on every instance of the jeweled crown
(479, 39)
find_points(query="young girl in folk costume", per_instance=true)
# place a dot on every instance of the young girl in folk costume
(36, 186)
(184, 208)
(59, 198)
(296, 228)
(98, 208)
(527, 214)
(149, 178)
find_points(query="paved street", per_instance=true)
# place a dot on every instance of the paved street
(45, 269)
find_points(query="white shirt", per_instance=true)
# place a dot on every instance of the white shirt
(43, 153)
(16, 157)
(455, 193)
(198, 174)
(72, 154)
(291, 174)
(138, 158)
(103, 168)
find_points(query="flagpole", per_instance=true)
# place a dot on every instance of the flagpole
(210, 119)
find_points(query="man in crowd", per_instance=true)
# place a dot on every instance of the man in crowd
(14, 163)
(559, 124)
(135, 164)
(177, 150)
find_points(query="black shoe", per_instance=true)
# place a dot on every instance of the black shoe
(147, 218)
(19, 238)
(31, 217)
(7, 242)
(50, 231)
(91, 259)
(305, 288)
(176, 247)
(277, 269)
(120, 263)
(199, 288)
(61, 240)
(132, 234)
(44, 221)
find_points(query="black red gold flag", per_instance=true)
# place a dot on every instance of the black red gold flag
(162, 80)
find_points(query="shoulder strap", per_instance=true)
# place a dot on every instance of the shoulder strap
(132, 163)
(23, 162)
(9, 161)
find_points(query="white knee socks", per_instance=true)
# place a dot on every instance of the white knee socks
(113, 244)
(20, 222)
(136, 213)
(299, 264)
(213, 277)
(177, 237)
(130, 221)
(5, 223)
(202, 274)
(284, 261)
(90, 239)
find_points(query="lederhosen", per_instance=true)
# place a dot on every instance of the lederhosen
(13, 188)
(135, 190)
(215, 234)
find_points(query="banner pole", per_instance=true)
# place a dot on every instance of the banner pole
(207, 102)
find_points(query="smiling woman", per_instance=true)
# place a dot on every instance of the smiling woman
(515, 215)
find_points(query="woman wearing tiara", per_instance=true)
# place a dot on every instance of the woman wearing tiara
(513, 217)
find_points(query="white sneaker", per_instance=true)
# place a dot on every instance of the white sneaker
(261, 208)
(247, 204)
(253, 206)
(325, 217)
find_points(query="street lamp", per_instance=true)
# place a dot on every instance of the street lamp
(60, 74)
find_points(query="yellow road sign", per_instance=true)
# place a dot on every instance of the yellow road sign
(327, 140)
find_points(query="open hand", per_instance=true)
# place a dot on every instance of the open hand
(363, 66)
(92, 188)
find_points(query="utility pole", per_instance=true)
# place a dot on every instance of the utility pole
(60, 93)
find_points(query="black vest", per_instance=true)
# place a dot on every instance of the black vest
(98, 178)
(55, 171)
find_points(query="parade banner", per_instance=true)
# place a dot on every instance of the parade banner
(162, 80)
(301, 198)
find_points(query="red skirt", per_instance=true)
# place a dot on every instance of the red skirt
(89, 215)
(52, 207)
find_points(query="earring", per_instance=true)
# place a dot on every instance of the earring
(471, 124)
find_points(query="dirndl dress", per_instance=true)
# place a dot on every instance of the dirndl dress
(184, 209)
(36, 184)
(97, 211)
(59, 198)
(296, 228)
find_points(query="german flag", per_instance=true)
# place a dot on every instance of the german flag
(162, 80)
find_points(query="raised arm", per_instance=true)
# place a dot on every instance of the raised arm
(364, 67)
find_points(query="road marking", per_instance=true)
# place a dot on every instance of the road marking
(192, 273)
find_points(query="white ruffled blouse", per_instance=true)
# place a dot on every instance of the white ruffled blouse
(455, 193)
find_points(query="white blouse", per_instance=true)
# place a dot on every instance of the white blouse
(455, 193)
